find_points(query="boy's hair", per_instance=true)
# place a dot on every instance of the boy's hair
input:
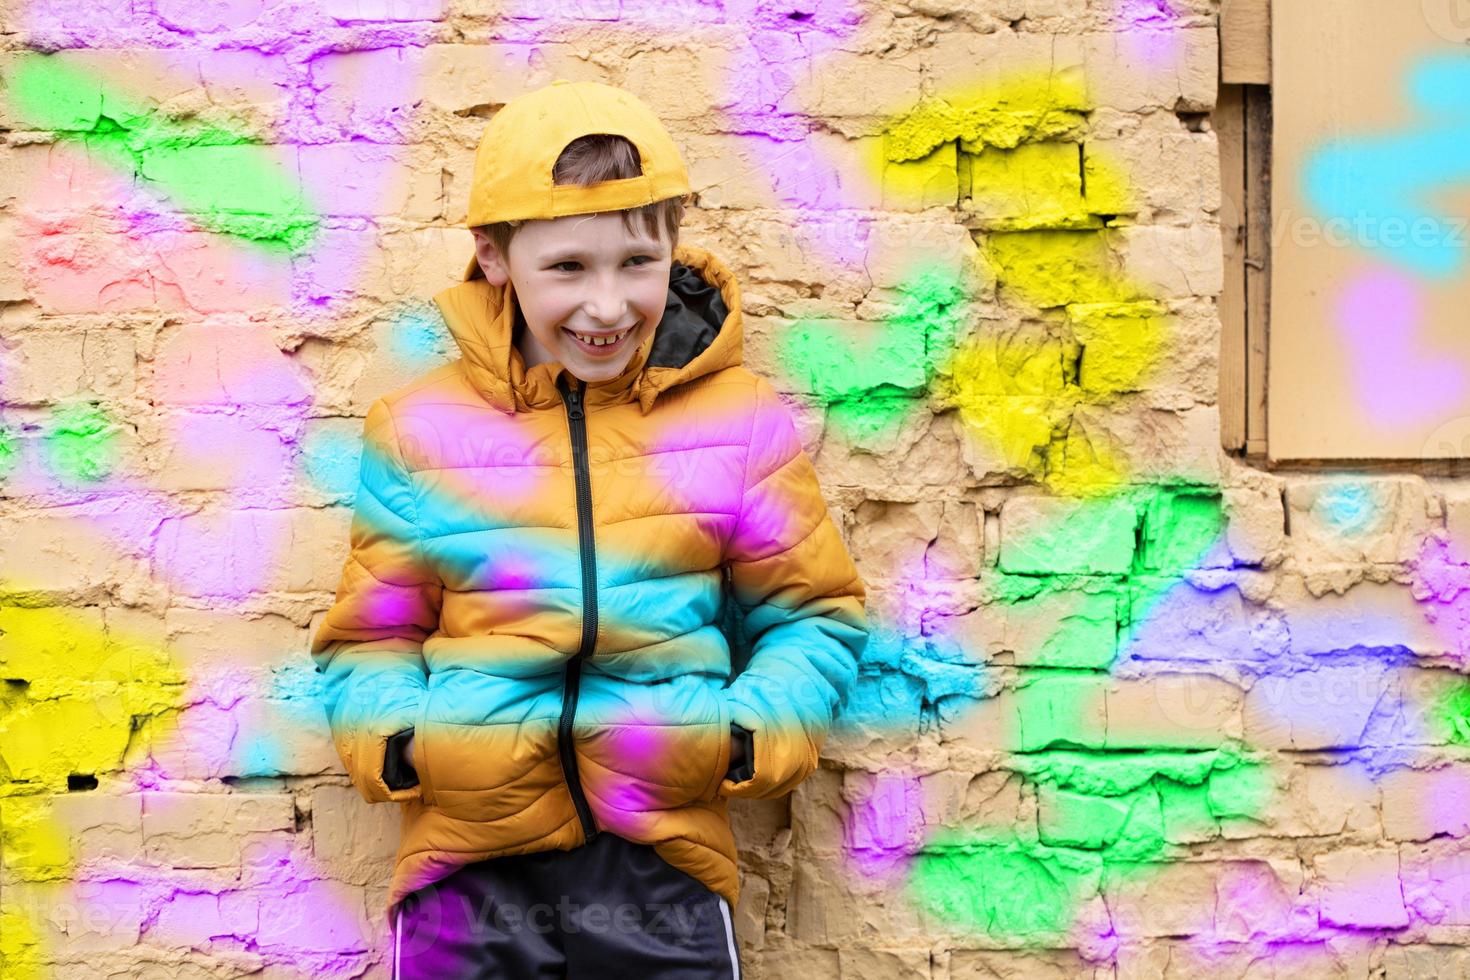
(593, 158)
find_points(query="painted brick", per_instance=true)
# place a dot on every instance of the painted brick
(1172, 711)
(1200, 626)
(1420, 804)
(1383, 519)
(206, 830)
(1062, 629)
(1036, 185)
(1164, 899)
(1175, 69)
(1046, 535)
(1360, 888)
(349, 11)
(1330, 707)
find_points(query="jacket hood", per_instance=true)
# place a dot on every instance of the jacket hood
(700, 333)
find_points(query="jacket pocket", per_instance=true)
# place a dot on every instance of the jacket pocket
(650, 745)
(486, 746)
(747, 768)
(722, 746)
(398, 772)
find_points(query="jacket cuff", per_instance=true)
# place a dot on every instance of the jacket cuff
(747, 768)
(398, 773)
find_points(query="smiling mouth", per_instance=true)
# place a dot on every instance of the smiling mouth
(601, 343)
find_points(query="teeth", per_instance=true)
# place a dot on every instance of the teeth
(600, 341)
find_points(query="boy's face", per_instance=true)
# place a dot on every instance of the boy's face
(585, 274)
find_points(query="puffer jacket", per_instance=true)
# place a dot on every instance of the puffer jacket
(536, 570)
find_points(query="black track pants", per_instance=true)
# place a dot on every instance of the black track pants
(609, 909)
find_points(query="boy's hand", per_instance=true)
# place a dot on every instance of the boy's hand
(408, 751)
(737, 751)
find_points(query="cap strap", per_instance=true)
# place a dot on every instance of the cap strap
(607, 195)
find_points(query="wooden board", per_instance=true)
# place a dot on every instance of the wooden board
(1257, 260)
(1229, 122)
(1245, 42)
(1368, 343)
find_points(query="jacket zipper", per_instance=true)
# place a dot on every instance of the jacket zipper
(576, 421)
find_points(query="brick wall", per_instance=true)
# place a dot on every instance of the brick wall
(1131, 709)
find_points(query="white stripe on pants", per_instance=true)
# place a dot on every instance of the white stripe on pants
(397, 941)
(730, 939)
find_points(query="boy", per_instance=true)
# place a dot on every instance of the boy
(523, 650)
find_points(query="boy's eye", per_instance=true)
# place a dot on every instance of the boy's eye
(649, 258)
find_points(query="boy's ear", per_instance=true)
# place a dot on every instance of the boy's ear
(491, 263)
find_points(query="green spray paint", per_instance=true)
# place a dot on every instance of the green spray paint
(1079, 333)
(1454, 711)
(82, 444)
(1103, 818)
(8, 452)
(1103, 815)
(223, 180)
(870, 387)
(1002, 887)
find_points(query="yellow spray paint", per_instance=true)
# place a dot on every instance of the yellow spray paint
(1074, 331)
(73, 693)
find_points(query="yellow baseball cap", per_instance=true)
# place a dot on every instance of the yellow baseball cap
(521, 143)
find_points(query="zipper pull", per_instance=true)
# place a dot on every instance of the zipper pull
(574, 403)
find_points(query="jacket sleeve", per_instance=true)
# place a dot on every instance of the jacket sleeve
(369, 647)
(803, 603)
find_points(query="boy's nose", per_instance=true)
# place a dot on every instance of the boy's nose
(604, 312)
